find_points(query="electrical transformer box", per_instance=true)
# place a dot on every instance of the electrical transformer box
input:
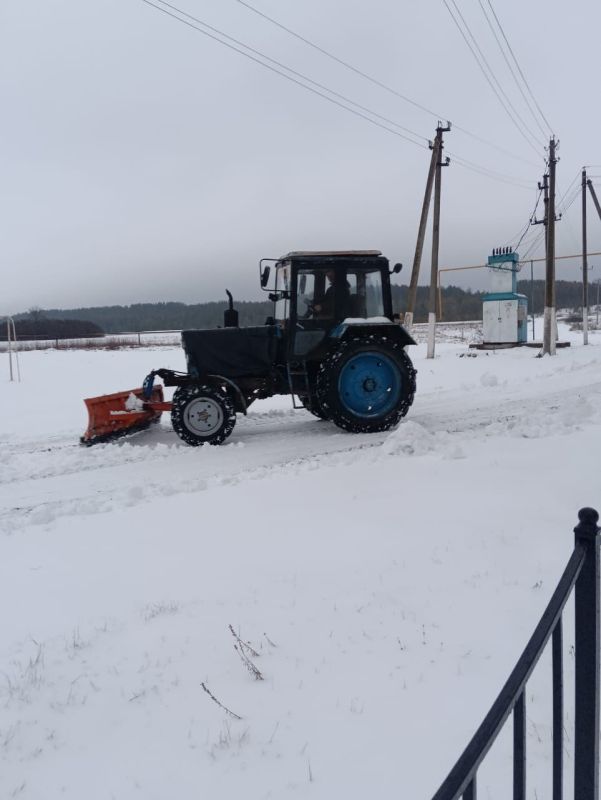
(505, 320)
(504, 311)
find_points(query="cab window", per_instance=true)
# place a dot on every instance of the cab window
(365, 293)
(313, 300)
(373, 294)
(305, 297)
(282, 289)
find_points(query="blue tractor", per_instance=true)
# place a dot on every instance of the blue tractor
(332, 342)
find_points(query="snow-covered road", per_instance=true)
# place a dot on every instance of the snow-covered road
(388, 583)
(49, 476)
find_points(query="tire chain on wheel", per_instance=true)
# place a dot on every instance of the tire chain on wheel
(183, 395)
(327, 384)
(313, 407)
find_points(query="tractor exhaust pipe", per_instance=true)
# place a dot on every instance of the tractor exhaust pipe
(230, 315)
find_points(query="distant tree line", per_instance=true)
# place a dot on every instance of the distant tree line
(457, 304)
(162, 316)
(36, 325)
(569, 295)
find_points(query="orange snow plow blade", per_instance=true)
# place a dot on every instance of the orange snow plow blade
(113, 415)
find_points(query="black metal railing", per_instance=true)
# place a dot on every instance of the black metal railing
(582, 574)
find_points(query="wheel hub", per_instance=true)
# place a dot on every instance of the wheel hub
(203, 416)
(370, 384)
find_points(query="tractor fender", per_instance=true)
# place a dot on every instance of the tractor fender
(234, 386)
(396, 332)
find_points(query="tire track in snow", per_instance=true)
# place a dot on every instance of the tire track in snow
(71, 480)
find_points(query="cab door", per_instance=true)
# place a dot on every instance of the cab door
(308, 328)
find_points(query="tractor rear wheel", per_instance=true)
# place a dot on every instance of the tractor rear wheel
(367, 384)
(202, 415)
(313, 407)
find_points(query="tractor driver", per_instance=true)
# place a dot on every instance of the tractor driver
(325, 308)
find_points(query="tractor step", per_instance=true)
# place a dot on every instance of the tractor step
(294, 390)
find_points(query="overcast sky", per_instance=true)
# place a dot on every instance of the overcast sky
(142, 161)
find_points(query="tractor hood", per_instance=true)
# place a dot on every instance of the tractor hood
(230, 352)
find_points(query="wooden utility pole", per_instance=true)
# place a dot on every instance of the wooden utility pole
(421, 233)
(435, 239)
(546, 207)
(550, 322)
(532, 297)
(594, 196)
(544, 188)
(584, 264)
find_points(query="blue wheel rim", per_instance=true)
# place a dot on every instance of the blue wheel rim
(369, 384)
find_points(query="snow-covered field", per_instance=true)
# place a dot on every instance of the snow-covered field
(387, 582)
(464, 332)
(108, 341)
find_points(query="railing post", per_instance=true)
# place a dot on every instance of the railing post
(586, 747)
(471, 793)
(557, 668)
(519, 748)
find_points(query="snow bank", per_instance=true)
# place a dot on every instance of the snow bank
(410, 439)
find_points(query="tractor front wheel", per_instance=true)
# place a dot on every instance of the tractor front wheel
(202, 415)
(367, 384)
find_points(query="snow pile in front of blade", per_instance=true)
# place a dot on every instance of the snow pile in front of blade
(134, 403)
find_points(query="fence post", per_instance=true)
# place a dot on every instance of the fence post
(586, 747)
(10, 351)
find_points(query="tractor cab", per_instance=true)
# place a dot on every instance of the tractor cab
(315, 292)
(331, 286)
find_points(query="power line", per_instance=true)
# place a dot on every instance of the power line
(377, 82)
(519, 233)
(576, 176)
(277, 71)
(293, 71)
(530, 237)
(529, 223)
(534, 245)
(489, 173)
(518, 66)
(527, 240)
(511, 69)
(481, 63)
(532, 217)
(570, 202)
(179, 16)
(495, 146)
(564, 215)
(563, 205)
